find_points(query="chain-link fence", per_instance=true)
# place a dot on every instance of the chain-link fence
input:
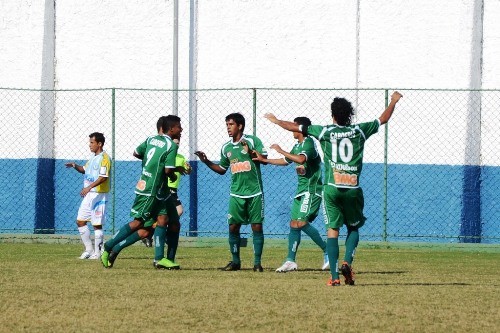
(429, 175)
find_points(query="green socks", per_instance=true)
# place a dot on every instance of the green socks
(315, 236)
(293, 243)
(159, 240)
(332, 248)
(234, 247)
(351, 242)
(127, 242)
(258, 246)
(123, 233)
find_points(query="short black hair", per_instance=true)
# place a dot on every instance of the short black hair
(304, 121)
(99, 137)
(342, 111)
(169, 122)
(238, 119)
(159, 123)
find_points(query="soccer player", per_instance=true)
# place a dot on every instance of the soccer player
(95, 196)
(182, 167)
(152, 196)
(246, 201)
(343, 145)
(307, 198)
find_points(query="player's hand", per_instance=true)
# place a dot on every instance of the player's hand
(172, 177)
(70, 165)
(396, 96)
(188, 168)
(276, 147)
(256, 156)
(84, 191)
(271, 117)
(201, 155)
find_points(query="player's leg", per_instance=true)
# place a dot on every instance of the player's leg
(294, 237)
(255, 209)
(334, 219)
(354, 220)
(308, 212)
(235, 218)
(98, 220)
(173, 229)
(85, 215)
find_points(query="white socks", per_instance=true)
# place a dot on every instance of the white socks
(98, 240)
(85, 236)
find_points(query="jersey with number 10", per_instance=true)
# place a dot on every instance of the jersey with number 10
(246, 179)
(343, 148)
(158, 153)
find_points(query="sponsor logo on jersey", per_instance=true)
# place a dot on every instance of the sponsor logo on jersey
(342, 178)
(344, 167)
(304, 207)
(241, 167)
(147, 174)
(141, 185)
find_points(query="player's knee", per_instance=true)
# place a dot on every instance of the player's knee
(174, 226)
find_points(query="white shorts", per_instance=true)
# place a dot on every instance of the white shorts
(93, 208)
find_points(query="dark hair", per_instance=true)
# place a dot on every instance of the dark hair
(238, 119)
(169, 122)
(304, 121)
(159, 123)
(99, 137)
(342, 111)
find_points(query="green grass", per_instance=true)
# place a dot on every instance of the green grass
(45, 288)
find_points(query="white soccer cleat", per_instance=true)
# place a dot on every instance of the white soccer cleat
(326, 262)
(288, 266)
(86, 255)
(94, 256)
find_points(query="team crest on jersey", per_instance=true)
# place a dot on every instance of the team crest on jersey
(141, 185)
(229, 154)
(243, 151)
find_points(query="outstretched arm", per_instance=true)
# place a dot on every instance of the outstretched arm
(387, 114)
(275, 161)
(301, 159)
(288, 125)
(210, 164)
(75, 166)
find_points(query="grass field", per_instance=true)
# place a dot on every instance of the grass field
(45, 288)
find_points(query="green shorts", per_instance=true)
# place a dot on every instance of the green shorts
(246, 210)
(306, 207)
(144, 208)
(343, 206)
(167, 207)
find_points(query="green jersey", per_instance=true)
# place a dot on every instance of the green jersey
(309, 173)
(158, 153)
(343, 148)
(246, 179)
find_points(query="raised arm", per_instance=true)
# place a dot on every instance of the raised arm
(288, 125)
(214, 167)
(387, 114)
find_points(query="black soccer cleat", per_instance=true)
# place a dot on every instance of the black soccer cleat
(258, 268)
(111, 258)
(232, 266)
(348, 274)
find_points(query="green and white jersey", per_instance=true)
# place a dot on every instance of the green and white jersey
(343, 148)
(158, 153)
(309, 173)
(246, 179)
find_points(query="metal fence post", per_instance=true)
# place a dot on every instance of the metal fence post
(254, 97)
(384, 201)
(113, 160)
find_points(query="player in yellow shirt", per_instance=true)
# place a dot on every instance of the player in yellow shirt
(96, 184)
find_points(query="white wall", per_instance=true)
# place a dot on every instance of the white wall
(254, 43)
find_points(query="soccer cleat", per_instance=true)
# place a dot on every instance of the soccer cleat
(231, 267)
(148, 241)
(111, 258)
(258, 268)
(288, 266)
(86, 255)
(104, 258)
(166, 264)
(333, 283)
(326, 262)
(348, 274)
(94, 256)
